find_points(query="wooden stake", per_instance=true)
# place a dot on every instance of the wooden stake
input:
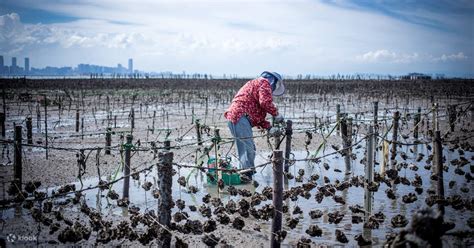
(108, 140)
(344, 130)
(369, 168)
(29, 130)
(132, 119)
(452, 116)
(165, 201)
(438, 159)
(46, 123)
(288, 133)
(376, 111)
(277, 196)
(126, 181)
(2, 123)
(153, 123)
(434, 109)
(198, 132)
(417, 123)
(77, 120)
(396, 117)
(338, 116)
(385, 146)
(18, 158)
(38, 117)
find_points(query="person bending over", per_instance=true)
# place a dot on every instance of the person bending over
(248, 109)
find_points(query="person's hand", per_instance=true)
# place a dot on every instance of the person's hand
(279, 118)
(274, 131)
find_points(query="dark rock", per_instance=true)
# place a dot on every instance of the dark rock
(112, 194)
(54, 227)
(209, 226)
(180, 243)
(315, 213)
(356, 219)
(303, 242)
(206, 198)
(314, 230)
(419, 190)
(182, 181)
(390, 194)
(147, 186)
(341, 237)
(361, 241)
(339, 199)
(297, 210)
(205, 210)
(372, 223)
(180, 204)
(179, 216)
(280, 235)
(192, 189)
(134, 210)
(238, 223)
(399, 221)
(425, 230)
(357, 209)
(292, 222)
(223, 218)
(210, 240)
(30, 187)
(411, 197)
(156, 193)
(335, 217)
(124, 202)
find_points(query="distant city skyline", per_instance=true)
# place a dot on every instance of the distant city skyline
(81, 69)
(93, 70)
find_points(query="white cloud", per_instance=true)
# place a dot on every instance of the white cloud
(16, 37)
(387, 56)
(451, 57)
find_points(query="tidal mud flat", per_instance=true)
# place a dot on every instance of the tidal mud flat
(324, 191)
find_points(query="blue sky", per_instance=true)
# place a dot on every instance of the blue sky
(244, 37)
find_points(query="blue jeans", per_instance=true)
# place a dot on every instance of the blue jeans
(242, 132)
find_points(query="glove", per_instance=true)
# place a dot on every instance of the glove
(274, 131)
(279, 118)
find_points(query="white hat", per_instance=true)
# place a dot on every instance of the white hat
(280, 87)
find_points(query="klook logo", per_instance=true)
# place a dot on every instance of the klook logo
(12, 238)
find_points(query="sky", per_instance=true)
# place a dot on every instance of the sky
(244, 37)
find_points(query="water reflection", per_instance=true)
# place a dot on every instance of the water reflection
(352, 196)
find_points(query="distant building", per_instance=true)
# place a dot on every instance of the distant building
(415, 76)
(13, 67)
(440, 76)
(130, 65)
(2, 65)
(27, 65)
(120, 68)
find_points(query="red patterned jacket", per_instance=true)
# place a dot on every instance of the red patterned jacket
(255, 100)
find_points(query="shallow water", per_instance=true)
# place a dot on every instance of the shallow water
(352, 196)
